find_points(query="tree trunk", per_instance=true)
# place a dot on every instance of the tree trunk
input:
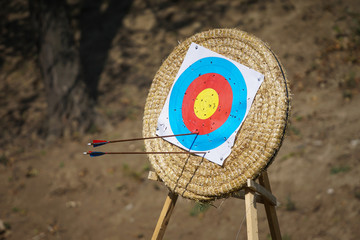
(70, 106)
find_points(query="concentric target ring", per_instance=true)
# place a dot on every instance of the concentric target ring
(195, 115)
(191, 78)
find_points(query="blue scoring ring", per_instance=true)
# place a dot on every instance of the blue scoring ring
(238, 109)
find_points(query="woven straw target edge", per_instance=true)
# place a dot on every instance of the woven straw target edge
(182, 174)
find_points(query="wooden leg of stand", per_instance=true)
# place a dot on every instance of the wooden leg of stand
(270, 209)
(165, 216)
(251, 215)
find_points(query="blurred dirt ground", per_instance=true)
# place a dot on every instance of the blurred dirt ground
(54, 192)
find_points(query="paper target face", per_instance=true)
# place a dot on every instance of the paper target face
(210, 97)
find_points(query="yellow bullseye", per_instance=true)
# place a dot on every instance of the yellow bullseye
(206, 103)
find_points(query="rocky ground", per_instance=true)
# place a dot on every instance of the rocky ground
(54, 192)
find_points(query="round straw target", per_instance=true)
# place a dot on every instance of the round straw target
(208, 97)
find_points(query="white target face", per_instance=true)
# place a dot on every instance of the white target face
(211, 97)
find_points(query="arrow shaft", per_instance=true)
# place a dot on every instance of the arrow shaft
(147, 138)
(96, 154)
(155, 152)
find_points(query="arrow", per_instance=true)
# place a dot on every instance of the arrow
(96, 154)
(97, 143)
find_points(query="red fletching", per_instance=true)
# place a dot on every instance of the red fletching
(97, 143)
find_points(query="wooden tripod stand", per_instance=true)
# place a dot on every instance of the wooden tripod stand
(252, 193)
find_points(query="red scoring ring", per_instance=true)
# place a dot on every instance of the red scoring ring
(224, 91)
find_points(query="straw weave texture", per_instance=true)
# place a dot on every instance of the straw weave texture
(259, 138)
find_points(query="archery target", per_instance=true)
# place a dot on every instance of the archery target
(210, 97)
